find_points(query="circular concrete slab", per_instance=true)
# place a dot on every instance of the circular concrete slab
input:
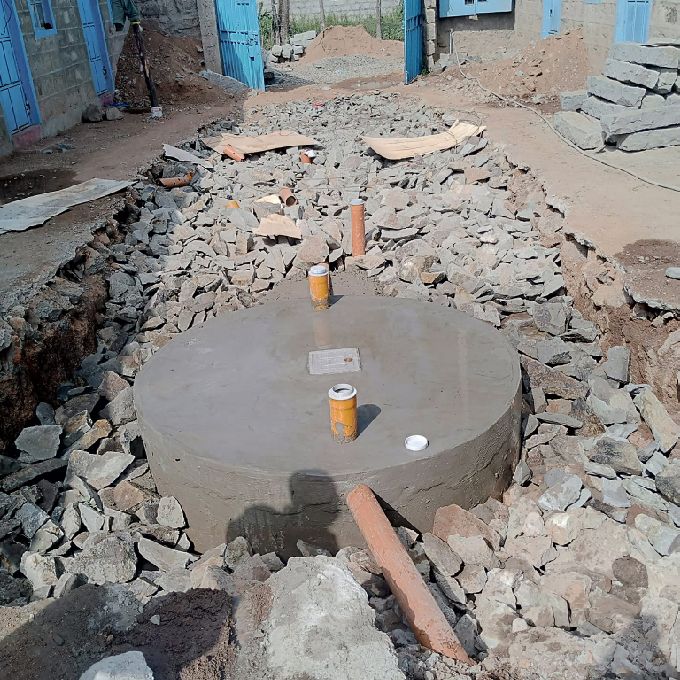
(238, 430)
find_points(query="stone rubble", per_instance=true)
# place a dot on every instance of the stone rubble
(580, 560)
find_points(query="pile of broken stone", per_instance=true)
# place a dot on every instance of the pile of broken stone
(293, 49)
(580, 560)
(634, 104)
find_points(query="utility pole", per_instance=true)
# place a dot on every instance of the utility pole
(323, 15)
(276, 26)
(378, 19)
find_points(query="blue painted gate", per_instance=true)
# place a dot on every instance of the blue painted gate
(238, 28)
(632, 20)
(413, 39)
(95, 40)
(470, 8)
(552, 17)
(17, 97)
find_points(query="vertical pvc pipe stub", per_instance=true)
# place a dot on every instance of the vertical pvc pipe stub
(357, 212)
(356, 201)
(320, 286)
(342, 400)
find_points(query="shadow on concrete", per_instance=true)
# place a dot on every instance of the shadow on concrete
(311, 510)
(366, 414)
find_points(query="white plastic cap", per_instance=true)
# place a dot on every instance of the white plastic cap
(342, 392)
(416, 442)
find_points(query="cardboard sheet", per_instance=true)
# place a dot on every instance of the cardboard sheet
(278, 225)
(398, 148)
(184, 156)
(248, 145)
(34, 210)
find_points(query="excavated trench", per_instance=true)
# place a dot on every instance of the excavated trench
(483, 240)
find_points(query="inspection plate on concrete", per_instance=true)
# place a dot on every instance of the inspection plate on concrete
(329, 361)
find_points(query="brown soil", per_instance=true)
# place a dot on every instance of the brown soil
(175, 63)
(557, 64)
(60, 640)
(343, 41)
(30, 183)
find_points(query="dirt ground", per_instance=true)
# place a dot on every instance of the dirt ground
(343, 41)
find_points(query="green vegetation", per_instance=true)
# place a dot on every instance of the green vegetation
(392, 24)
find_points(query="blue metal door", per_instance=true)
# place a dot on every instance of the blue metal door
(238, 27)
(552, 17)
(632, 20)
(468, 8)
(17, 98)
(95, 40)
(413, 39)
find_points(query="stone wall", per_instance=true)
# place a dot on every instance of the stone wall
(350, 8)
(174, 17)
(60, 68)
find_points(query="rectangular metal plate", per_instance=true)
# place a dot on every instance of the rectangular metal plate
(329, 361)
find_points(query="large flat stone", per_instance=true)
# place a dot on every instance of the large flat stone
(616, 92)
(662, 56)
(636, 120)
(572, 101)
(626, 72)
(649, 139)
(579, 129)
(599, 108)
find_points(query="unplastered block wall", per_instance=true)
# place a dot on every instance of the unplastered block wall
(470, 34)
(173, 17)
(665, 23)
(59, 65)
(350, 8)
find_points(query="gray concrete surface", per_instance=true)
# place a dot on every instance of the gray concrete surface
(238, 431)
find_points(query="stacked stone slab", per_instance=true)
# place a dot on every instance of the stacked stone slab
(634, 104)
(293, 50)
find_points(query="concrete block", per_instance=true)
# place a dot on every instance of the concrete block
(631, 73)
(298, 50)
(636, 120)
(667, 78)
(663, 57)
(277, 50)
(615, 92)
(286, 51)
(578, 128)
(301, 38)
(653, 101)
(598, 108)
(649, 139)
(572, 101)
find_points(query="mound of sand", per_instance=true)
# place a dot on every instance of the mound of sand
(343, 41)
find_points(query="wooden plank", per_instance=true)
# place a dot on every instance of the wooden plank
(249, 145)
(398, 148)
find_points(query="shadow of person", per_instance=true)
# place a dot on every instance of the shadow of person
(309, 514)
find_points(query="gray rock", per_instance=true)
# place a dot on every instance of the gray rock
(38, 442)
(653, 101)
(317, 605)
(560, 419)
(45, 413)
(599, 108)
(667, 78)
(550, 317)
(661, 56)
(105, 558)
(473, 550)
(619, 455)
(170, 513)
(649, 139)
(440, 554)
(93, 113)
(614, 494)
(121, 409)
(626, 72)
(664, 539)
(40, 570)
(571, 101)
(128, 666)
(673, 273)
(112, 113)
(617, 366)
(668, 482)
(663, 427)
(522, 473)
(584, 132)
(615, 92)
(560, 496)
(610, 405)
(636, 120)
(98, 471)
(32, 518)
(166, 559)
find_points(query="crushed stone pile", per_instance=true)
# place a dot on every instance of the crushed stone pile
(577, 566)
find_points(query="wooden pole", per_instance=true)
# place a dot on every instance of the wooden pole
(284, 20)
(323, 15)
(378, 19)
(139, 41)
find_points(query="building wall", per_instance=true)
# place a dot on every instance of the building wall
(350, 8)
(173, 17)
(60, 68)
(523, 24)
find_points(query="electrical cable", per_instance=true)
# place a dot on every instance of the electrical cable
(514, 102)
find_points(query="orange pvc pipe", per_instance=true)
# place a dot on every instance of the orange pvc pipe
(229, 150)
(342, 400)
(172, 182)
(427, 621)
(287, 197)
(320, 286)
(358, 228)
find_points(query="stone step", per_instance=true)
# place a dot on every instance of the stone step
(665, 56)
(616, 92)
(649, 139)
(626, 72)
(637, 120)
